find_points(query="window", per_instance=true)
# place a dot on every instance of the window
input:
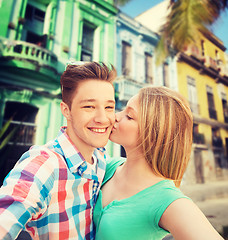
(198, 138)
(126, 58)
(23, 120)
(211, 105)
(166, 74)
(34, 25)
(216, 139)
(148, 68)
(192, 95)
(225, 107)
(87, 43)
(23, 123)
(36, 39)
(33, 13)
(202, 48)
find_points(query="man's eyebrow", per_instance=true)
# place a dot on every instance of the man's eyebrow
(87, 100)
(94, 100)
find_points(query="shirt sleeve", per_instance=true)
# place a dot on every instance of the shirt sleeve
(25, 193)
(166, 197)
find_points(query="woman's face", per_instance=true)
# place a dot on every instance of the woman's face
(126, 128)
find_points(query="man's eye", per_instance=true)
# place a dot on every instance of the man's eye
(110, 107)
(88, 107)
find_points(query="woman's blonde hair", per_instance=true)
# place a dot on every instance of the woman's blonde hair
(165, 128)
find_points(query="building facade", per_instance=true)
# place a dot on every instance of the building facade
(37, 39)
(201, 72)
(203, 79)
(135, 63)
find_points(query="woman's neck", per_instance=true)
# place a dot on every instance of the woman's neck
(137, 169)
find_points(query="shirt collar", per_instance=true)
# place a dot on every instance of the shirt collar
(74, 158)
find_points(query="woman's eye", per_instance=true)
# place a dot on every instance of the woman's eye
(128, 117)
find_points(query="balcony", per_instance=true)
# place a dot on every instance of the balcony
(25, 133)
(223, 70)
(126, 88)
(194, 51)
(211, 63)
(28, 56)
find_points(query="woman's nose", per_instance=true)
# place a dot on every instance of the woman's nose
(117, 119)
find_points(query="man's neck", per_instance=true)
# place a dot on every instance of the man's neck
(86, 151)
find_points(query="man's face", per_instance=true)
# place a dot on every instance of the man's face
(92, 114)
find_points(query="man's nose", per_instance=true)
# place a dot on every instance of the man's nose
(101, 116)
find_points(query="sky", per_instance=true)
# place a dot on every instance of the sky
(219, 28)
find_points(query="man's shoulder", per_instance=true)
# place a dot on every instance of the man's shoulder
(41, 153)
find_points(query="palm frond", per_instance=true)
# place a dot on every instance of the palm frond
(5, 127)
(186, 21)
(7, 138)
(121, 2)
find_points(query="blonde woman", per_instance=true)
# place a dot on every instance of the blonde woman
(140, 198)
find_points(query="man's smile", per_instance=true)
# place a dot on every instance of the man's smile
(98, 130)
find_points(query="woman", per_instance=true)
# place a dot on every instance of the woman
(140, 198)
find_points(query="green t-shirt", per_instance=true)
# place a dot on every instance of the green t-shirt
(136, 217)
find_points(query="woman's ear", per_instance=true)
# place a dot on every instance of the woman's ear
(65, 110)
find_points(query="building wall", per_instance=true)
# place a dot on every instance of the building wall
(71, 16)
(138, 40)
(201, 65)
(37, 39)
(201, 68)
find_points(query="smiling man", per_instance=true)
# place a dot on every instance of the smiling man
(52, 189)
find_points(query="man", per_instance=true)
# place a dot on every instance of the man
(52, 189)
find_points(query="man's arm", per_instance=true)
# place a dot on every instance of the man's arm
(23, 197)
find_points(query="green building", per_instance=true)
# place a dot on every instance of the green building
(37, 40)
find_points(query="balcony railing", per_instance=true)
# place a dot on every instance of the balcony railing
(194, 51)
(127, 88)
(25, 133)
(211, 63)
(14, 49)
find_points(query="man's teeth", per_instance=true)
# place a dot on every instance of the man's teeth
(99, 130)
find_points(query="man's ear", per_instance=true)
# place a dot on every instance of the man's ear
(65, 110)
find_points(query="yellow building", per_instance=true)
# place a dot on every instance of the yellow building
(203, 79)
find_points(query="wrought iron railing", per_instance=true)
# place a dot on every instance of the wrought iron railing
(24, 135)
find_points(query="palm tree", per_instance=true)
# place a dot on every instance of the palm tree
(186, 21)
(121, 2)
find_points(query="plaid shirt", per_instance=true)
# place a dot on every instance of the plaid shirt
(51, 193)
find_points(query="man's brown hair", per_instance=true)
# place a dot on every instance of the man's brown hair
(74, 74)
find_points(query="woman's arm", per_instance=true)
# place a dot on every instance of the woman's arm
(184, 220)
